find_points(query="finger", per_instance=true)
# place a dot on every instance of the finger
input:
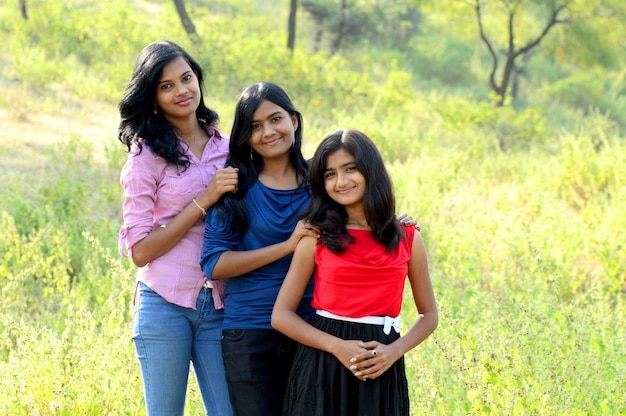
(369, 345)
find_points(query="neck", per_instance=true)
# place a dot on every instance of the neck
(186, 127)
(279, 175)
(189, 133)
(356, 218)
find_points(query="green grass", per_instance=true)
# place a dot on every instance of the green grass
(522, 211)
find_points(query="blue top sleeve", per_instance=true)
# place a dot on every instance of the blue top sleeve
(218, 238)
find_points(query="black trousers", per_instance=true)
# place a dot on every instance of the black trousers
(257, 364)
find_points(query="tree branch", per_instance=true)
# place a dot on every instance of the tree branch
(511, 33)
(554, 19)
(484, 38)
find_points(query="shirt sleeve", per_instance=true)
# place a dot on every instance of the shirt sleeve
(139, 181)
(219, 237)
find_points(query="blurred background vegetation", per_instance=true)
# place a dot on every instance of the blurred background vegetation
(502, 124)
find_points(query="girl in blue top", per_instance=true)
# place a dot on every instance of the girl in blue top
(249, 239)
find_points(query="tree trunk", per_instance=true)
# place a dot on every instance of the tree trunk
(291, 30)
(186, 20)
(23, 9)
(317, 39)
(336, 44)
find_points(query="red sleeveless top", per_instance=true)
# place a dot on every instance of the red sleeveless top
(364, 280)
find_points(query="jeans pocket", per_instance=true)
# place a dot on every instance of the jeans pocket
(233, 335)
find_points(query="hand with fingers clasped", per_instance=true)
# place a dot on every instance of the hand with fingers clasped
(346, 350)
(372, 361)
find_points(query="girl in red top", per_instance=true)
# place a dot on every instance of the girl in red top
(351, 358)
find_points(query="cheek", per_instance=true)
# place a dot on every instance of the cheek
(255, 137)
(329, 186)
(161, 97)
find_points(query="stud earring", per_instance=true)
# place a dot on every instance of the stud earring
(155, 110)
(251, 155)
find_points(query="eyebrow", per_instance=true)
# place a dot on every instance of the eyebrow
(167, 80)
(343, 165)
(270, 116)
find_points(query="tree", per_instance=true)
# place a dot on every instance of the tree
(513, 52)
(186, 21)
(23, 9)
(291, 30)
(348, 22)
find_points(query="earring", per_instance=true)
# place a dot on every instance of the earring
(251, 155)
(155, 110)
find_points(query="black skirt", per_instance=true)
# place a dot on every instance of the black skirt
(319, 385)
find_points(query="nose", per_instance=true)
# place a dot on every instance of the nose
(342, 180)
(268, 129)
(181, 90)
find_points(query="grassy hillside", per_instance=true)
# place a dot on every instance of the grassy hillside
(521, 207)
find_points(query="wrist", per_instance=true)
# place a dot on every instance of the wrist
(200, 207)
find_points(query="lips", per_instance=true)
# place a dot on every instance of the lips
(271, 142)
(185, 101)
(344, 191)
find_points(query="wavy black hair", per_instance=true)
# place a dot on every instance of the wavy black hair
(379, 202)
(242, 155)
(137, 106)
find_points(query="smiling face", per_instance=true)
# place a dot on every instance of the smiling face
(343, 182)
(273, 130)
(178, 91)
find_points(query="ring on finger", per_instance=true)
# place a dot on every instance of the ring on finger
(374, 353)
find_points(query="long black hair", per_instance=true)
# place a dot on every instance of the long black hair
(242, 155)
(378, 202)
(137, 106)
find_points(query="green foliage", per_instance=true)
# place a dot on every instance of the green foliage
(444, 59)
(521, 216)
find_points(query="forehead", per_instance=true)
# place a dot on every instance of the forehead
(339, 158)
(175, 68)
(267, 109)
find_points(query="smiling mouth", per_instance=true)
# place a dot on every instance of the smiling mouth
(271, 142)
(184, 101)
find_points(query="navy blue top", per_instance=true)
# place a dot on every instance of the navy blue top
(272, 216)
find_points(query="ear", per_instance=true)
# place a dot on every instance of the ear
(294, 120)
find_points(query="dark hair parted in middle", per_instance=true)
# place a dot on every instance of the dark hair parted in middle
(242, 155)
(379, 203)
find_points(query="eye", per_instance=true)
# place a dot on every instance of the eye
(188, 77)
(276, 119)
(329, 175)
(166, 86)
(256, 127)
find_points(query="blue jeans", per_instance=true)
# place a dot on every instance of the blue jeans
(167, 337)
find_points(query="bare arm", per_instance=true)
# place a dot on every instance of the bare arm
(366, 365)
(236, 263)
(285, 319)
(162, 239)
